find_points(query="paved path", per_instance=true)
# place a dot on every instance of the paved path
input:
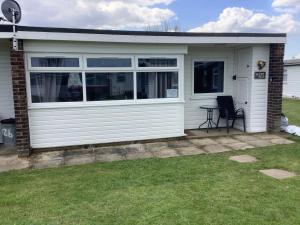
(140, 151)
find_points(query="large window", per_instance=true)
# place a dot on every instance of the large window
(157, 85)
(208, 77)
(56, 87)
(101, 78)
(109, 86)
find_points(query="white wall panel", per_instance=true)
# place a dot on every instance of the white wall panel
(90, 125)
(292, 87)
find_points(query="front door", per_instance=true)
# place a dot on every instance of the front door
(242, 93)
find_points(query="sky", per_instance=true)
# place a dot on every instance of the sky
(190, 15)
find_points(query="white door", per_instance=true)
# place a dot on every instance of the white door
(242, 93)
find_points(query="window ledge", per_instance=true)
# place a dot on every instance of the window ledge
(206, 96)
(103, 104)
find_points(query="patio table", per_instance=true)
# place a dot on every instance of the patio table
(209, 119)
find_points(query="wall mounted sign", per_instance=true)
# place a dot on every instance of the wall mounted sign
(260, 75)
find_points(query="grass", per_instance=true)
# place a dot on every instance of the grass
(205, 189)
(291, 108)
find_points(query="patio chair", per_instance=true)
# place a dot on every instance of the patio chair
(228, 112)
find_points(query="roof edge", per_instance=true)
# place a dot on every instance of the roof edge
(8, 28)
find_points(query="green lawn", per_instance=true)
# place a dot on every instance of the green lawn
(291, 108)
(205, 189)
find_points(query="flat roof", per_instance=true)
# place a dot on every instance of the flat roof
(8, 28)
(292, 62)
(56, 33)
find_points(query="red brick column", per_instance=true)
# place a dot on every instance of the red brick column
(20, 100)
(275, 86)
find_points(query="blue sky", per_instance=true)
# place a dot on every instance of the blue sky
(191, 15)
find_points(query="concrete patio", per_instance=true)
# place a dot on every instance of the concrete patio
(159, 149)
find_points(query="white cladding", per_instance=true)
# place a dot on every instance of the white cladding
(291, 88)
(103, 123)
(240, 62)
(6, 93)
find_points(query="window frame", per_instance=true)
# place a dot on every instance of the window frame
(208, 95)
(52, 55)
(83, 69)
(107, 69)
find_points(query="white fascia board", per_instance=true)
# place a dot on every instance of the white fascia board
(147, 38)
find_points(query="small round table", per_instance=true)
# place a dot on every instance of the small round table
(210, 112)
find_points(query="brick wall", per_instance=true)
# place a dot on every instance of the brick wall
(275, 86)
(20, 100)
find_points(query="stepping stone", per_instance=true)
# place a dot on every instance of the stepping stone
(278, 174)
(239, 146)
(215, 148)
(281, 141)
(243, 158)
(190, 151)
(203, 141)
(165, 153)
(226, 140)
(47, 159)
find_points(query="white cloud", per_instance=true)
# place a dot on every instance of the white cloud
(110, 14)
(291, 6)
(237, 19)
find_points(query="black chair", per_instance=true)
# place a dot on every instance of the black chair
(227, 111)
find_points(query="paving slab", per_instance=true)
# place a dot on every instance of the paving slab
(165, 153)
(226, 140)
(243, 158)
(239, 146)
(190, 151)
(47, 160)
(215, 148)
(78, 157)
(109, 157)
(155, 146)
(281, 141)
(278, 173)
(203, 141)
(12, 162)
(246, 138)
(266, 136)
(260, 143)
(179, 144)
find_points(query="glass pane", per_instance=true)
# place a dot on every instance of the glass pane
(157, 85)
(208, 77)
(157, 62)
(56, 87)
(108, 62)
(109, 86)
(54, 62)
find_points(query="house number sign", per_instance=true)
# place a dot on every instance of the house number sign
(260, 75)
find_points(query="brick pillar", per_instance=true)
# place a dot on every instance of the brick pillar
(20, 100)
(275, 86)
